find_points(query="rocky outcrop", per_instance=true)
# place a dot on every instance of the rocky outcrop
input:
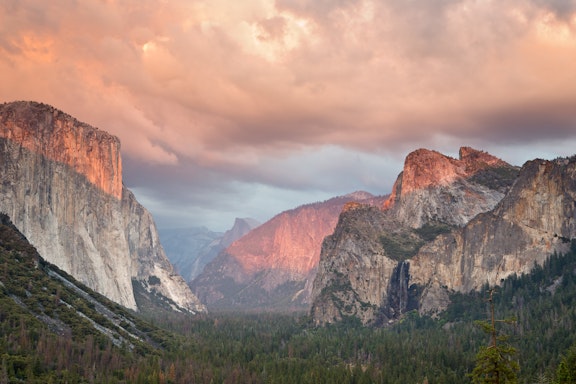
(365, 268)
(536, 218)
(353, 267)
(150, 266)
(424, 168)
(437, 188)
(273, 266)
(62, 187)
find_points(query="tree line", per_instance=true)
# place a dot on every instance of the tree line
(286, 348)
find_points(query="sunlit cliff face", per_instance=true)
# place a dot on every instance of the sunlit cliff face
(62, 186)
(290, 242)
(59, 137)
(424, 168)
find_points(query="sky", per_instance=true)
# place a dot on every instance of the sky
(247, 108)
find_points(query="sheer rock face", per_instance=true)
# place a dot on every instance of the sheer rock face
(59, 137)
(62, 186)
(424, 168)
(436, 187)
(536, 218)
(274, 265)
(365, 267)
(354, 269)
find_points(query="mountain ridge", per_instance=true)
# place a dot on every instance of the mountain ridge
(365, 265)
(429, 179)
(534, 220)
(272, 267)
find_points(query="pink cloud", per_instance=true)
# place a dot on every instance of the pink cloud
(230, 85)
(347, 72)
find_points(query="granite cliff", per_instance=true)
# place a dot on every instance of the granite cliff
(535, 219)
(62, 187)
(273, 266)
(437, 188)
(365, 267)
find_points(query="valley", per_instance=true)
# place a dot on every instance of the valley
(354, 289)
(45, 337)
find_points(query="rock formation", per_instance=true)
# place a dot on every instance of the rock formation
(273, 266)
(62, 187)
(365, 268)
(437, 188)
(535, 219)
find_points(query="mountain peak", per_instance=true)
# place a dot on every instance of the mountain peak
(62, 187)
(273, 265)
(424, 168)
(241, 227)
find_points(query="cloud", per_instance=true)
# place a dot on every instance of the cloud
(213, 90)
(262, 189)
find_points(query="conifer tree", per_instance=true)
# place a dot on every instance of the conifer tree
(566, 371)
(495, 363)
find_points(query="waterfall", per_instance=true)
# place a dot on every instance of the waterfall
(398, 295)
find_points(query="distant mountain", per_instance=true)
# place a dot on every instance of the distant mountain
(62, 187)
(273, 266)
(190, 249)
(240, 228)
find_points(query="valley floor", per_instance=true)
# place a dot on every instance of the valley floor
(282, 348)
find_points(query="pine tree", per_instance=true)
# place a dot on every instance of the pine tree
(566, 371)
(4, 372)
(495, 363)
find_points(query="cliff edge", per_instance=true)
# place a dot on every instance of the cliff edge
(62, 187)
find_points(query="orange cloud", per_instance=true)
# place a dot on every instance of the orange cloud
(200, 79)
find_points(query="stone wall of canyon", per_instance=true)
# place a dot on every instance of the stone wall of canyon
(367, 267)
(535, 219)
(59, 137)
(62, 187)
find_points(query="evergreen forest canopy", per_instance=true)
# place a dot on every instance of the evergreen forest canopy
(49, 333)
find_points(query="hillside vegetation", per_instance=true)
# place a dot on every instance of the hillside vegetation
(53, 329)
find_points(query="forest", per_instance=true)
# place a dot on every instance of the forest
(44, 341)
